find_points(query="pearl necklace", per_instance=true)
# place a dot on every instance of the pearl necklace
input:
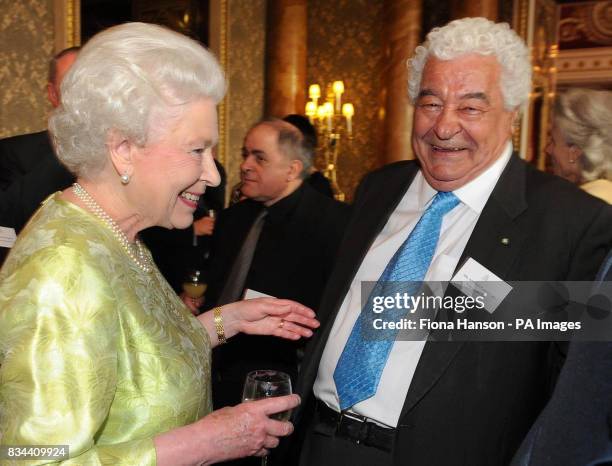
(134, 250)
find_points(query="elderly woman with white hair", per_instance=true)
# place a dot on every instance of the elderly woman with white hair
(96, 351)
(580, 143)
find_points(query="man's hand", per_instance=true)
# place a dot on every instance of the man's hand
(204, 226)
(193, 304)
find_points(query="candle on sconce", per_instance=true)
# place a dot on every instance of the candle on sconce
(311, 110)
(338, 88)
(321, 112)
(314, 92)
(327, 118)
(348, 111)
(329, 113)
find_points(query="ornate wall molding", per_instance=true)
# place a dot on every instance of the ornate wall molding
(585, 25)
(535, 21)
(218, 45)
(67, 24)
(585, 66)
(585, 43)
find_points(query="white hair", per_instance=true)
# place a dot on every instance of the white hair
(126, 79)
(479, 36)
(584, 117)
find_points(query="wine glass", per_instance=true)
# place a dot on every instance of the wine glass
(194, 286)
(266, 384)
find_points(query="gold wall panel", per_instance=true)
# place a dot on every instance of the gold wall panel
(26, 44)
(245, 69)
(345, 42)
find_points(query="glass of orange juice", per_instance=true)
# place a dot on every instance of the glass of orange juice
(193, 285)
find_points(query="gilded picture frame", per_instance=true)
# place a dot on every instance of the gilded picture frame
(67, 18)
(536, 22)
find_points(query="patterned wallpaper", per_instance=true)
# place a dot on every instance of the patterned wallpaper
(345, 42)
(26, 44)
(245, 72)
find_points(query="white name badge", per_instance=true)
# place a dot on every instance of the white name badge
(7, 237)
(474, 279)
(252, 294)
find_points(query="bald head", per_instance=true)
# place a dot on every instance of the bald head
(292, 143)
(58, 67)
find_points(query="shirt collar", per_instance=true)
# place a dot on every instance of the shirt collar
(474, 194)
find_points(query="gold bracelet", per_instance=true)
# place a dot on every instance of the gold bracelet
(219, 325)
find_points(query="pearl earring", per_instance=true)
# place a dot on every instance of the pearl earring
(125, 179)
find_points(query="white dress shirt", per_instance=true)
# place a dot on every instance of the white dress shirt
(457, 226)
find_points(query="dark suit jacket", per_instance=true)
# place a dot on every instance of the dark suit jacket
(32, 171)
(20, 154)
(318, 181)
(575, 428)
(471, 403)
(24, 195)
(293, 259)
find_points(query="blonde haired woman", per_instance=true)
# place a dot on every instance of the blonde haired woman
(580, 144)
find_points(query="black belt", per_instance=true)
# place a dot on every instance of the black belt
(356, 428)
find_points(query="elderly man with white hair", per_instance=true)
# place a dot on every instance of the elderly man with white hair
(467, 197)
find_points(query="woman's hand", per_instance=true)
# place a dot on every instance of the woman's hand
(246, 429)
(263, 316)
(229, 433)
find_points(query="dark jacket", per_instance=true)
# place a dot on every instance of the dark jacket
(575, 428)
(293, 259)
(29, 173)
(472, 403)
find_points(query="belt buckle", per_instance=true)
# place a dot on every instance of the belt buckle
(363, 428)
(352, 416)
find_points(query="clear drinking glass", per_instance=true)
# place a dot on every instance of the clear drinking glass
(193, 286)
(266, 384)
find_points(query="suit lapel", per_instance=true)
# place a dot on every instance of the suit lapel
(369, 217)
(494, 243)
(497, 238)
(605, 272)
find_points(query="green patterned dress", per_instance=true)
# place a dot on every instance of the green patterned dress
(94, 353)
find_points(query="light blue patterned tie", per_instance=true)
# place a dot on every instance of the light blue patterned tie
(362, 361)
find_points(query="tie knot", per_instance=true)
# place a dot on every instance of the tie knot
(263, 213)
(444, 202)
